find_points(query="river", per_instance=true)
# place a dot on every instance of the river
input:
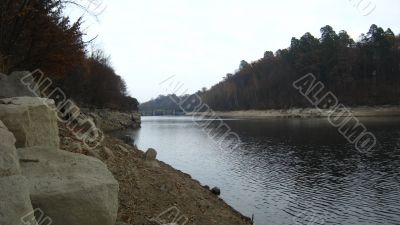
(288, 171)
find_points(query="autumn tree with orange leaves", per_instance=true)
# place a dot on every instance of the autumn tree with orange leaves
(35, 34)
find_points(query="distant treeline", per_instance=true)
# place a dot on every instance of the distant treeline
(366, 72)
(169, 105)
(35, 34)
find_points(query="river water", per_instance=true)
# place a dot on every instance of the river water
(288, 171)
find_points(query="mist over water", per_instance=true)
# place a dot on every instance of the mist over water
(288, 171)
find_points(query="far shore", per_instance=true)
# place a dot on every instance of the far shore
(361, 111)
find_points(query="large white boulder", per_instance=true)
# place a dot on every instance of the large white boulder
(71, 189)
(15, 204)
(32, 120)
(6, 137)
(14, 191)
(9, 163)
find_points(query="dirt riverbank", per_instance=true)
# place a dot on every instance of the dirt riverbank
(154, 191)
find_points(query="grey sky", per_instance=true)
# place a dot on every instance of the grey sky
(200, 41)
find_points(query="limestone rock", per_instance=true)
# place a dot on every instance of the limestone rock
(72, 189)
(12, 86)
(9, 163)
(150, 155)
(14, 192)
(6, 137)
(32, 120)
(15, 204)
(150, 158)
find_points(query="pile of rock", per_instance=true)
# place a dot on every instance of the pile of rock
(69, 188)
(15, 202)
(110, 120)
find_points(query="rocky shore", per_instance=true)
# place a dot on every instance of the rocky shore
(50, 175)
(152, 192)
(361, 111)
(42, 183)
(111, 120)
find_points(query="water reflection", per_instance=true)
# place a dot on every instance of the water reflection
(288, 169)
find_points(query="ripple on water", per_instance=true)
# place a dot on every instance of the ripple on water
(289, 171)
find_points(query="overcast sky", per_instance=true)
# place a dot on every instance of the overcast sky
(201, 41)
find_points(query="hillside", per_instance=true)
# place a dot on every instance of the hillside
(365, 72)
(169, 105)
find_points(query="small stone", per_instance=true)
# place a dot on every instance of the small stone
(216, 191)
(150, 155)
(108, 153)
(122, 148)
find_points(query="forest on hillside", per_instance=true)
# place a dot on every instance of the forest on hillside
(36, 34)
(171, 104)
(366, 72)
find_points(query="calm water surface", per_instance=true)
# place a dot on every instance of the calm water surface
(288, 171)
